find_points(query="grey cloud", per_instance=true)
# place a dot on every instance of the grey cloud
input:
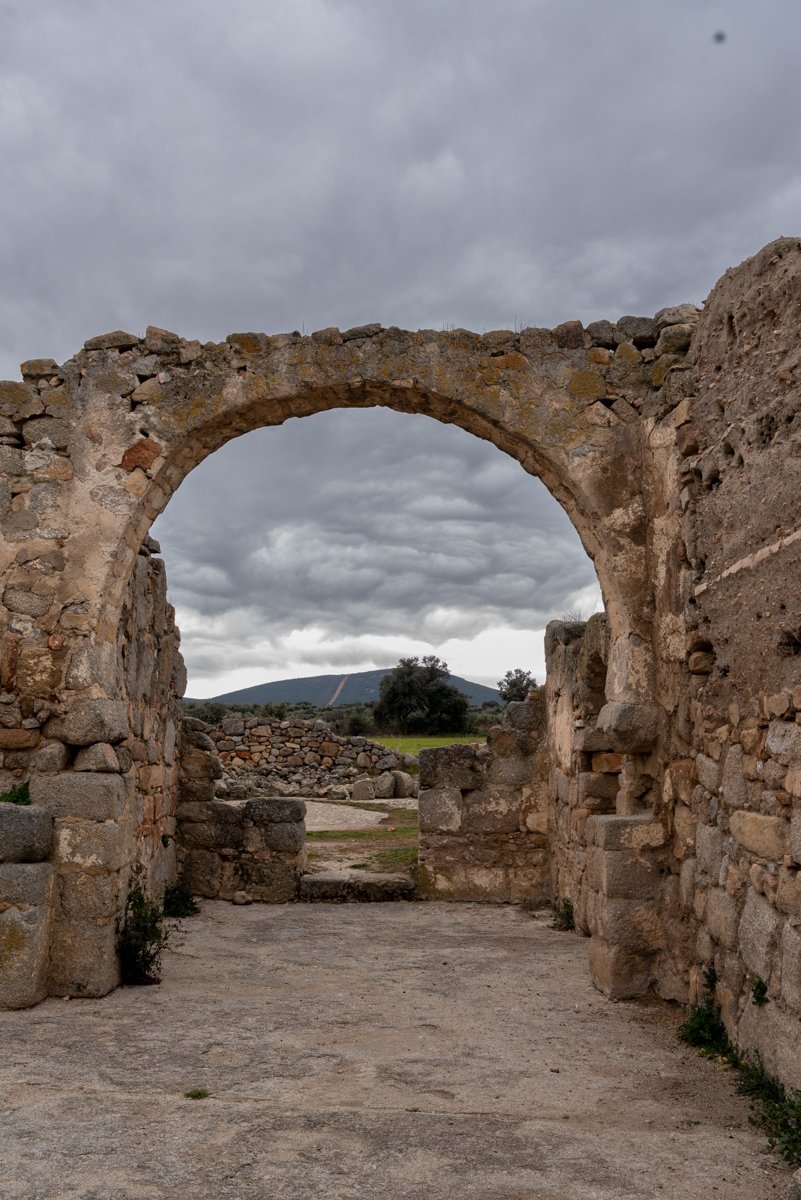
(411, 517)
(212, 167)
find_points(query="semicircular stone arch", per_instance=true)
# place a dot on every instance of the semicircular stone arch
(138, 418)
(100, 444)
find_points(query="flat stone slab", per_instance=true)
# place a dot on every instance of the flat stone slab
(379, 1052)
(351, 886)
(321, 815)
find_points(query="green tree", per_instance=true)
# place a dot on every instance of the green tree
(417, 698)
(516, 684)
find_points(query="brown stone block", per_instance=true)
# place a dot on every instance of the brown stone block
(606, 761)
(774, 1033)
(617, 972)
(636, 832)
(83, 959)
(757, 934)
(36, 368)
(440, 810)
(19, 739)
(91, 898)
(201, 873)
(141, 454)
(722, 916)
(118, 339)
(767, 837)
(494, 809)
(26, 833)
(91, 721)
(622, 875)
(24, 950)
(96, 847)
(633, 924)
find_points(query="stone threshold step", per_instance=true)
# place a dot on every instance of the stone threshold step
(353, 887)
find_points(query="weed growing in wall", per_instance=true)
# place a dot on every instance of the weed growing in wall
(775, 1111)
(18, 794)
(703, 1027)
(563, 917)
(143, 937)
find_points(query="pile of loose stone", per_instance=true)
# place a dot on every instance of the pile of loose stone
(300, 758)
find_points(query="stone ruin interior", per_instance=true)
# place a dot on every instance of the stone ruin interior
(654, 781)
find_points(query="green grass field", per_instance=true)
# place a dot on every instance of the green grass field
(413, 745)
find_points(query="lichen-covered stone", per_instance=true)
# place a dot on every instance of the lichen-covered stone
(26, 911)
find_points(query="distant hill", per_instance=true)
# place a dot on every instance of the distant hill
(320, 690)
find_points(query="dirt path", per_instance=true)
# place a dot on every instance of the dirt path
(400, 1051)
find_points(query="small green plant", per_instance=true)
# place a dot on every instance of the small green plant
(18, 794)
(563, 917)
(143, 936)
(703, 1027)
(197, 1094)
(775, 1112)
(179, 902)
(759, 991)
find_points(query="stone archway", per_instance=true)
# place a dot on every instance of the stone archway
(101, 442)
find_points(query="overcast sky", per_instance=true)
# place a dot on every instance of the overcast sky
(270, 165)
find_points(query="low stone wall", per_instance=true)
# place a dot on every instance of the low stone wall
(242, 851)
(609, 848)
(305, 757)
(27, 884)
(484, 813)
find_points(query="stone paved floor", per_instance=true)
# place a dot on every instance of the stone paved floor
(401, 1051)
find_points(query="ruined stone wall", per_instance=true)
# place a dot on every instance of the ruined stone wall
(484, 813)
(104, 780)
(244, 851)
(608, 854)
(584, 773)
(733, 791)
(304, 757)
(27, 887)
(672, 443)
(153, 677)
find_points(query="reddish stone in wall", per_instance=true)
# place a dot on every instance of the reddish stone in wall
(142, 454)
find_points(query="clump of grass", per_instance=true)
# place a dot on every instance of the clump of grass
(775, 1111)
(403, 856)
(179, 902)
(759, 991)
(703, 1027)
(563, 917)
(143, 936)
(197, 1094)
(18, 794)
